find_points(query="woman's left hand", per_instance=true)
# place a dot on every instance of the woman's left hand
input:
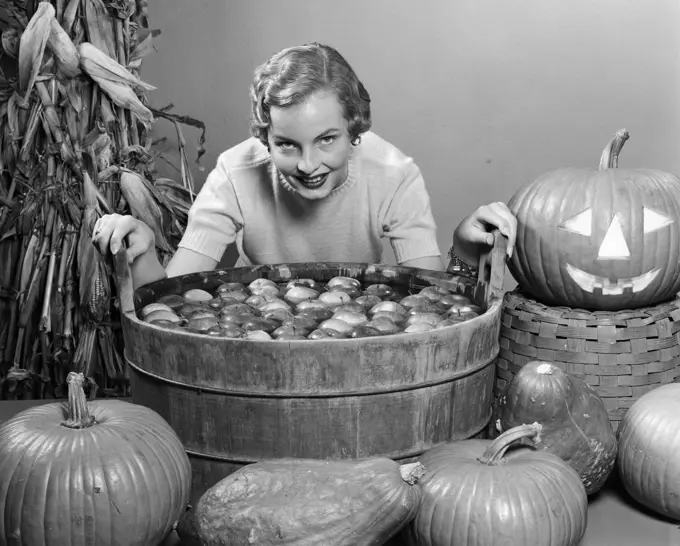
(474, 232)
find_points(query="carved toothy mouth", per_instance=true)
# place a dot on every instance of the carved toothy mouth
(590, 283)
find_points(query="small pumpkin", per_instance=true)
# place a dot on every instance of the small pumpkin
(598, 239)
(575, 422)
(476, 494)
(649, 443)
(104, 472)
(309, 502)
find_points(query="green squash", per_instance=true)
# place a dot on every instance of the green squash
(575, 422)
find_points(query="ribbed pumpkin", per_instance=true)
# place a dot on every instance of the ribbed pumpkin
(649, 443)
(575, 422)
(606, 239)
(101, 473)
(310, 502)
(476, 494)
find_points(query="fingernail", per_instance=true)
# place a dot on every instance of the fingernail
(510, 252)
(114, 248)
(489, 239)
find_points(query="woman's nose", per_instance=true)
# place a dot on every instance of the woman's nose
(309, 162)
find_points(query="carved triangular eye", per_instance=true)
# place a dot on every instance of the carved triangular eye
(654, 220)
(582, 223)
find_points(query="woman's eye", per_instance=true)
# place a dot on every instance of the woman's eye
(285, 145)
(328, 140)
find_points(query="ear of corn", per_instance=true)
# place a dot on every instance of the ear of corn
(115, 80)
(98, 64)
(66, 54)
(75, 143)
(122, 95)
(144, 205)
(94, 288)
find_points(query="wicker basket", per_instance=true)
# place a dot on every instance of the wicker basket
(621, 354)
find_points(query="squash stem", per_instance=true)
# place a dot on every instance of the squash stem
(610, 155)
(411, 472)
(78, 415)
(495, 452)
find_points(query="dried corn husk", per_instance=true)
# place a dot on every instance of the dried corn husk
(144, 205)
(94, 288)
(144, 47)
(114, 80)
(32, 46)
(100, 65)
(123, 96)
(75, 144)
(69, 16)
(10, 41)
(66, 54)
(100, 26)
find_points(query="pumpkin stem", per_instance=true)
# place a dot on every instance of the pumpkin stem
(78, 415)
(610, 155)
(411, 472)
(495, 452)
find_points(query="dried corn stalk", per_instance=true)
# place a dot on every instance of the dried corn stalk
(75, 144)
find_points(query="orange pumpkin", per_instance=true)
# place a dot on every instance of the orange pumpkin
(104, 472)
(599, 239)
(649, 442)
(475, 494)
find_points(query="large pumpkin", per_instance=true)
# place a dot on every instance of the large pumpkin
(606, 239)
(649, 443)
(476, 494)
(575, 422)
(104, 473)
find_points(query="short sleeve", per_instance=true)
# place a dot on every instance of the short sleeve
(215, 217)
(408, 221)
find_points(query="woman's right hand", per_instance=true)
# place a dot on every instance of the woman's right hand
(111, 229)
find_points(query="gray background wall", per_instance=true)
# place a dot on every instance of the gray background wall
(483, 94)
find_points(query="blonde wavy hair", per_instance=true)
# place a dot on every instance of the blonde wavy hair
(290, 76)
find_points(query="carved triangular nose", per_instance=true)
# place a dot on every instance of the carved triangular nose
(614, 245)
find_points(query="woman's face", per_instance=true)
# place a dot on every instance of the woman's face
(309, 144)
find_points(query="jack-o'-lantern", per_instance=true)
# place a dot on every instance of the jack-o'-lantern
(605, 239)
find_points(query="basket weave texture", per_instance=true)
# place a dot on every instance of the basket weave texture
(621, 354)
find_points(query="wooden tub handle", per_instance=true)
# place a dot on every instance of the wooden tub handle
(123, 277)
(491, 275)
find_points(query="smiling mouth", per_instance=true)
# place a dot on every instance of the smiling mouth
(590, 283)
(312, 182)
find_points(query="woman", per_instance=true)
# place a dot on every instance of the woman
(312, 184)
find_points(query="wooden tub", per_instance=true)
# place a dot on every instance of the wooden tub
(236, 401)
